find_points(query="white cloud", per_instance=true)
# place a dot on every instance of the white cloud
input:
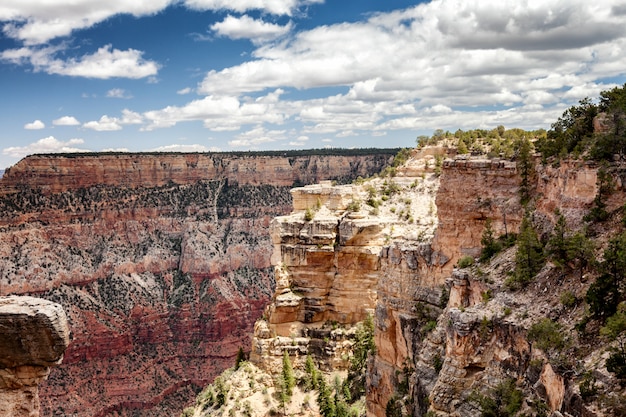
(105, 124)
(66, 121)
(182, 148)
(418, 68)
(184, 91)
(245, 27)
(46, 145)
(36, 125)
(130, 117)
(221, 113)
(39, 21)
(276, 7)
(300, 141)
(118, 93)
(257, 136)
(105, 63)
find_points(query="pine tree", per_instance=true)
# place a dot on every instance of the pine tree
(581, 249)
(529, 257)
(241, 356)
(557, 244)
(325, 400)
(287, 375)
(490, 246)
(525, 167)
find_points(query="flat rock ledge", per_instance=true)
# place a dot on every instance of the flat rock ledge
(34, 334)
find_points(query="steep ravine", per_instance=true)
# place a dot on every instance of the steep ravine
(162, 263)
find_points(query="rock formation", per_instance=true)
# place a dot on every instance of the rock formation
(160, 260)
(34, 336)
(444, 336)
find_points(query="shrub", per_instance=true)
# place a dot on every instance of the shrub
(568, 299)
(505, 400)
(308, 214)
(465, 261)
(547, 335)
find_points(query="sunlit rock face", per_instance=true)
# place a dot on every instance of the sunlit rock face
(162, 263)
(34, 336)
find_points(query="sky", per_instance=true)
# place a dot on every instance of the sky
(222, 75)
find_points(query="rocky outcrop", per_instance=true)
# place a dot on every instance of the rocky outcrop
(472, 191)
(34, 336)
(346, 252)
(161, 261)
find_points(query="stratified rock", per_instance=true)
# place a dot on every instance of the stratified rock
(34, 334)
(162, 262)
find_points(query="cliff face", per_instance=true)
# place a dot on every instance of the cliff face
(162, 263)
(34, 336)
(443, 335)
(55, 173)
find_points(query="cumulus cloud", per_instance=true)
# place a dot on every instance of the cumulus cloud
(280, 7)
(184, 91)
(245, 27)
(38, 21)
(66, 121)
(105, 63)
(105, 124)
(118, 93)
(221, 113)
(36, 125)
(46, 145)
(257, 136)
(505, 63)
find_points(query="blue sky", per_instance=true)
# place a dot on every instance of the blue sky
(220, 75)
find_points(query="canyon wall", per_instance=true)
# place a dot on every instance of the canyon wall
(443, 335)
(162, 263)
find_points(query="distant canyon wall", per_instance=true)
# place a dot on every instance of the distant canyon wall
(162, 263)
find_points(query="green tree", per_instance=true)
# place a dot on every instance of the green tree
(571, 131)
(462, 147)
(490, 245)
(615, 330)
(547, 335)
(505, 400)
(605, 186)
(604, 295)
(287, 375)
(557, 246)
(363, 346)
(580, 249)
(393, 408)
(241, 357)
(612, 142)
(525, 166)
(325, 400)
(529, 258)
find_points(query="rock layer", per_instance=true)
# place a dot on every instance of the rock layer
(161, 261)
(34, 336)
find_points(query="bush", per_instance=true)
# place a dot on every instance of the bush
(465, 261)
(568, 299)
(505, 400)
(547, 335)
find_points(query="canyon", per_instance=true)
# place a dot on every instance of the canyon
(445, 337)
(163, 283)
(161, 262)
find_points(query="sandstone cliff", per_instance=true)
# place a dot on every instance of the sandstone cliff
(446, 338)
(161, 262)
(34, 337)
